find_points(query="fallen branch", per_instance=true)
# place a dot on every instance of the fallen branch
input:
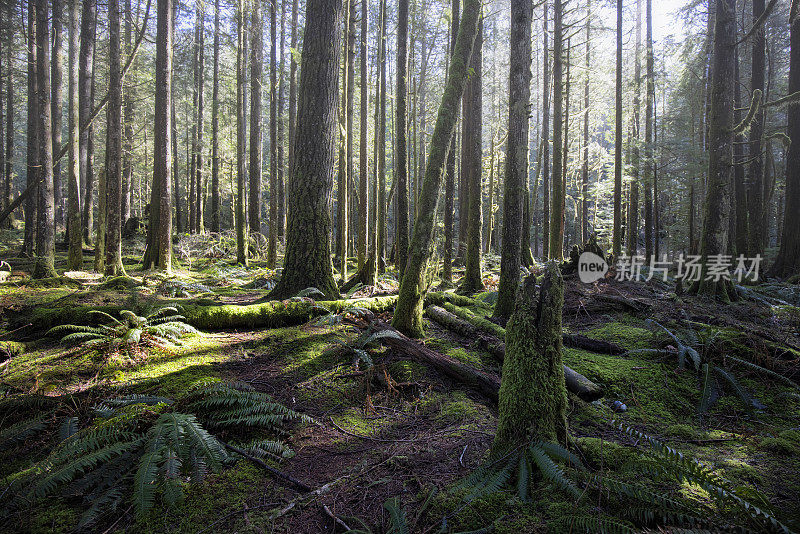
(336, 518)
(575, 382)
(281, 476)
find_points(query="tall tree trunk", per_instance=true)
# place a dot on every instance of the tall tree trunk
(127, 150)
(714, 239)
(308, 250)
(649, 146)
(519, 99)
(738, 238)
(9, 146)
(546, 141)
(256, 133)
(342, 188)
(113, 266)
(272, 246)
(281, 229)
(408, 312)
(382, 207)
(198, 176)
(215, 226)
(45, 229)
(241, 137)
(633, 200)
(32, 155)
(363, 172)
(788, 261)
(472, 153)
(401, 161)
(450, 174)
(159, 248)
(86, 95)
(616, 238)
(556, 209)
(756, 203)
(292, 93)
(584, 190)
(175, 172)
(56, 103)
(75, 239)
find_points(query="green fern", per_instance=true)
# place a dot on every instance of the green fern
(140, 448)
(161, 328)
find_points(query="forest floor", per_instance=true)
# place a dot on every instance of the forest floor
(401, 429)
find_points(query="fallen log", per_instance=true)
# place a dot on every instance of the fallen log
(575, 382)
(576, 341)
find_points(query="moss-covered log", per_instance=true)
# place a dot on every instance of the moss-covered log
(274, 314)
(439, 298)
(576, 341)
(576, 382)
(532, 402)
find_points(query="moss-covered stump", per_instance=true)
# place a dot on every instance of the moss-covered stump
(533, 397)
(276, 313)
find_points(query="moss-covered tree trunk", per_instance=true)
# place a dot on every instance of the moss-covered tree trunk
(517, 159)
(241, 135)
(532, 402)
(75, 262)
(308, 247)
(401, 243)
(473, 126)
(408, 314)
(450, 176)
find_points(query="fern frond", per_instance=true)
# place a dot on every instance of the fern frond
(68, 428)
(22, 430)
(551, 471)
(113, 319)
(145, 481)
(595, 524)
(397, 519)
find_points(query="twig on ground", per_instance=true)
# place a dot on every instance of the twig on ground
(302, 486)
(336, 518)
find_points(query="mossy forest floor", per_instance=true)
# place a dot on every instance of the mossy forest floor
(416, 438)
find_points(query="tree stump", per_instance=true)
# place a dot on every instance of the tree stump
(533, 398)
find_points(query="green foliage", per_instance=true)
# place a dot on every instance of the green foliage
(161, 328)
(141, 448)
(359, 348)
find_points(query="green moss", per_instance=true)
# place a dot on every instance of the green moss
(600, 452)
(740, 471)
(56, 516)
(627, 332)
(683, 431)
(56, 281)
(121, 283)
(458, 408)
(786, 442)
(406, 371)
(653, 392)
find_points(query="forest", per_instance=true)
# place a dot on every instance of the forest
(407, 266)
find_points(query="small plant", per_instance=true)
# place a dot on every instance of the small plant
(159, 329)
(359, 347)
(137, 448)
(642, 505)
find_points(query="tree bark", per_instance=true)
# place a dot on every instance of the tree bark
(756, 203)
(472, 155)
(86, 95)
(584, 191)
(75, 255)
(633, 198)
(401, 159)
(45, 227)
(363, 173)
(450, 175)
(272, 244)
(215, 199)
(787, 263)
(519, 100)
(649, 146)
(9, 146)
(281, 225)
(241, 136)
(159, 251)
(546, 140)
(616, 238)
(33, 175)
(556, 247)
(128, 118)
(56, 103)
(382, 207)
(408, 314)
(199, 223)
(113, 264)
(308, 251)
(256, 126)
(714, 239)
